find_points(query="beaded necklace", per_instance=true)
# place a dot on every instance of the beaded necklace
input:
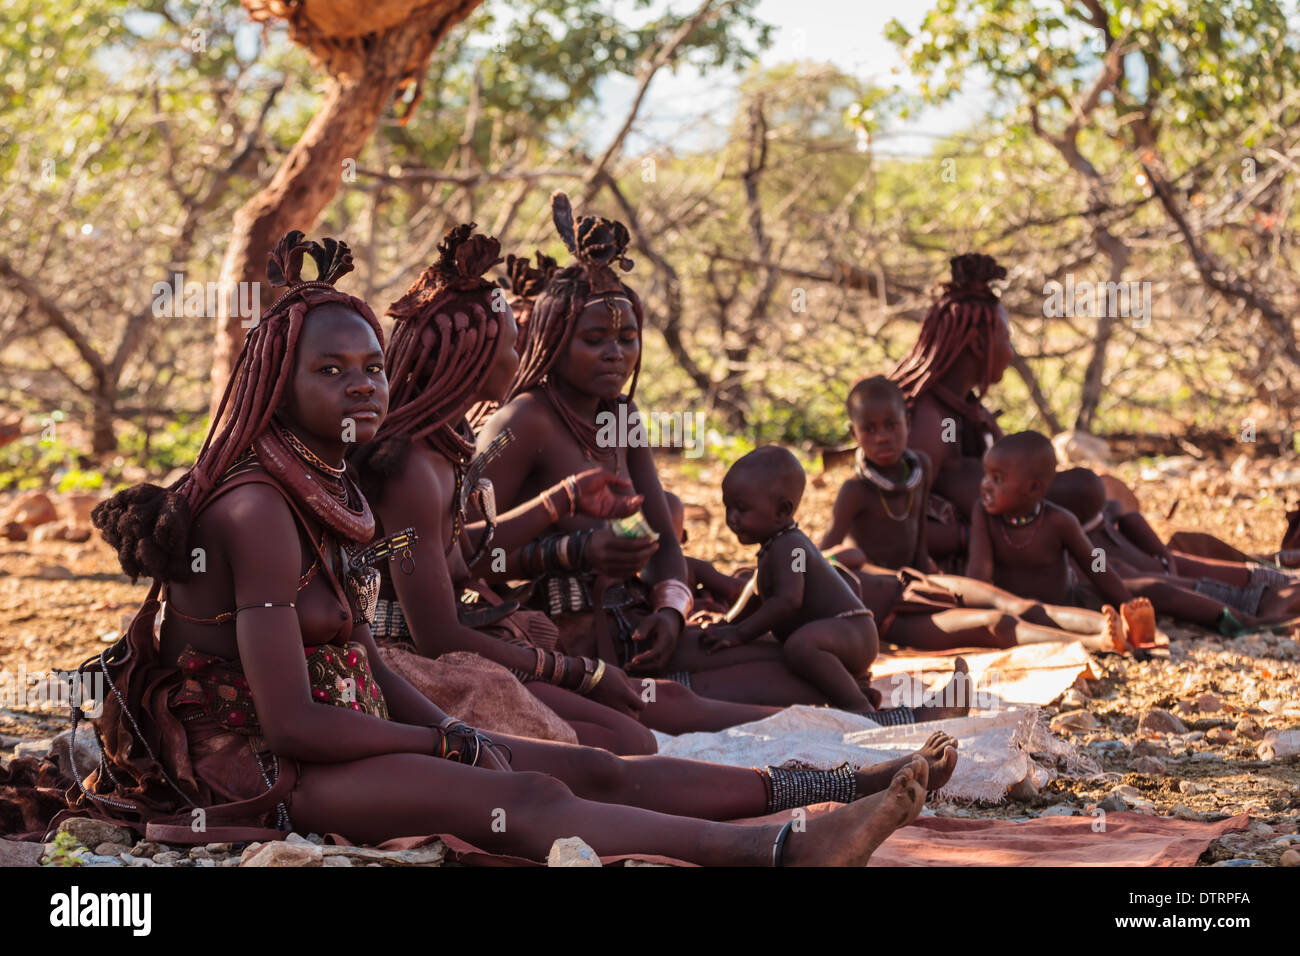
(792, 526)
(911, 479)
(1023, 522)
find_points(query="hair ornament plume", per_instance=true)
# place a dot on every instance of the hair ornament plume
(597, 243)
(524, 280)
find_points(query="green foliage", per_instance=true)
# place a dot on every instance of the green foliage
(63, 854)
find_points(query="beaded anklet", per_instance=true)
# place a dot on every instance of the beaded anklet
(787, 789)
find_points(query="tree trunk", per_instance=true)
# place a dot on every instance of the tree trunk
(1118, 252)
(310, 175)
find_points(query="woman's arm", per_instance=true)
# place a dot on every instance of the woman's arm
(271, 644)
(421, 498)
(922, 560)
(980, 563)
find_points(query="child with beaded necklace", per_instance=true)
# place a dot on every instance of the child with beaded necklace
(828, 637)
(1023, 543)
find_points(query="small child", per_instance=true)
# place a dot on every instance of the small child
(881, 510)
(714, 591)
(1024, 543)
(828, 637)
(1185, 588)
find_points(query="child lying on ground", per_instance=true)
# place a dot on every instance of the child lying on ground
(880, 511)
(1023, 543)
(828, 637)
(1184, 587)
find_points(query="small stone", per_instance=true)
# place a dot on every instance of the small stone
(34, 748)
(1260, 828)
(281, 853)
(1193, 736)
(1249, 728)
(1161, 722)
(20, 853)
(146, 848)
(1209, 703)
(1113, 804)
(13, 531)
(85, 750)
(200, 853)
(1290, 858)
(1183, 812)
(1151, 765)
(1206, 756)
(1186, 707)
(218, 847)
(1219, 735)
(572, 851)
(53, 572)
(1239, 861)
(336, 861)
(94, 832)
(1060, 810)
(1073, 700)
(296, 838)
(1150, 748)
(1188, 786)
(112, 849)
(1279, 743)
(1074, 721)
(32, 509)
(167, 857)
(1287, 649)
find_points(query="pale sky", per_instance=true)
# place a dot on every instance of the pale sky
(847, 33)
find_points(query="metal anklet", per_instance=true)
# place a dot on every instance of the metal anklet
(778, 845)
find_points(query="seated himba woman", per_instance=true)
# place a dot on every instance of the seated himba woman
(266, 709)
(451, 350)
(582, 345)
(878, 531)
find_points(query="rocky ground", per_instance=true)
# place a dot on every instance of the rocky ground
(1198, 732)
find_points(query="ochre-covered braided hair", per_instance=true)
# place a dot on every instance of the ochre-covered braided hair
(442, 348)
(966, 312)
(596, 243)
(525, 283)
(149, 525)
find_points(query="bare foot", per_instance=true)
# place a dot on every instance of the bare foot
(1139, 622)
(851, 834)
(1111, 640)
(954, 700)
(940, 753)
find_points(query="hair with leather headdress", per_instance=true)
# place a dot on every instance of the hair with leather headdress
(448, 324)
(525, 283)
(597, 244)
(149, 525)
(965, 312)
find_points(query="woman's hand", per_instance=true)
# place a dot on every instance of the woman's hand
(617, 690)
(604, 495)
(662, 629)
(620, 558)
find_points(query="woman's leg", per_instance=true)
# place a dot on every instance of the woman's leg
(675, 709)
(971, 627)
(981, 594)
(379, 798)
(595, 724)
(692, 788)
(769, 683)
